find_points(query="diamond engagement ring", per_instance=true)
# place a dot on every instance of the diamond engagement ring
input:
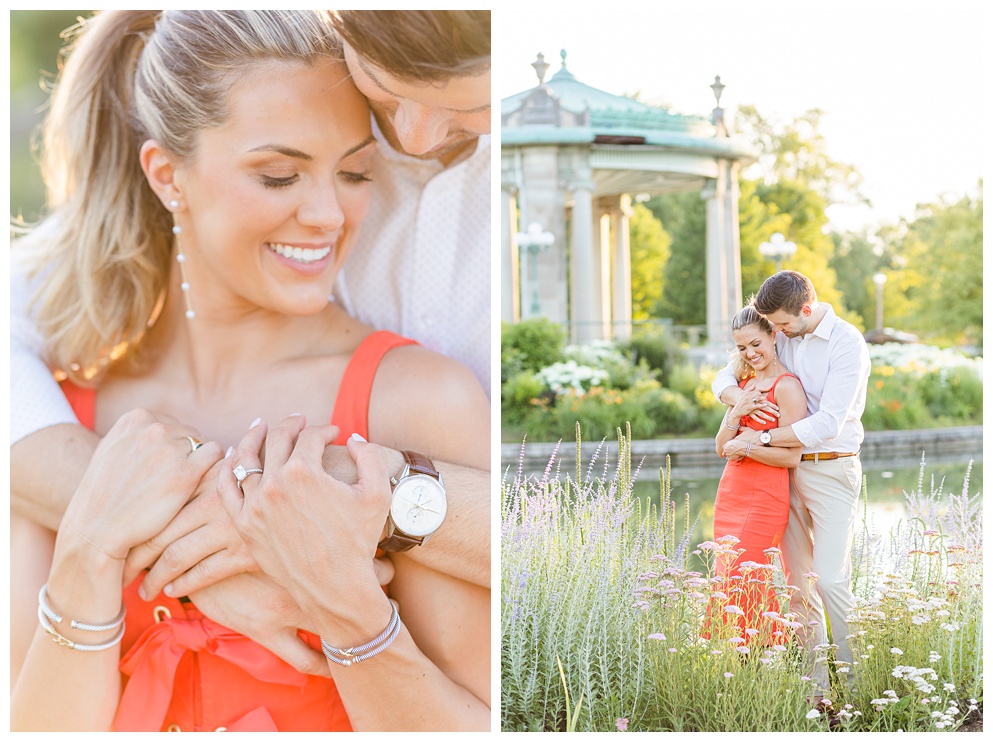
(241, 474)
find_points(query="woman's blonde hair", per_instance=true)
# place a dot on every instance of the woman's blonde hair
(103, 255)
(748, 315)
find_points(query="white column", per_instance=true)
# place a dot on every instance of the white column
(732, 240)
(583, 288)
(510, 262)
(716, 265)
(621, 267)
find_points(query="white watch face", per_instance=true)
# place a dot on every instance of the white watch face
(419, 505)
(765, 438)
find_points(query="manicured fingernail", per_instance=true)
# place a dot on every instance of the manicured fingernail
(228, 453)
(168, 589)
(142, 593)
(256, 422)
(294, 414)
(358, 437)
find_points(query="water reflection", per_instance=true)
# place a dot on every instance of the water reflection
(884, 507)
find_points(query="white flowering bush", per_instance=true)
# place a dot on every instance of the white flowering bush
(919, 359)
(571, 376)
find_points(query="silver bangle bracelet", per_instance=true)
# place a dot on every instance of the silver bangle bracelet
(56, 618)
(352, 656)
(64, 642)
(736, 427)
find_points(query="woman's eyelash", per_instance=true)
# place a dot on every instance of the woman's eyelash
(270, 182)
(356, 177)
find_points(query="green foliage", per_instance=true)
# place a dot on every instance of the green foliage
(34, 51)
(531, 345)
(658, 348)
(943, 244)
(650, 249)
(683, 215)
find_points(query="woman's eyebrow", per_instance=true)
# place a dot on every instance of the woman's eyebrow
(288, 151)
(297, 154)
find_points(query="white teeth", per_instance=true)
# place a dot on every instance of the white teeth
(300, 254)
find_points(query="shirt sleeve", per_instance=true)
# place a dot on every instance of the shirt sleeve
(725, 378)
(844, 391)
(36, 400)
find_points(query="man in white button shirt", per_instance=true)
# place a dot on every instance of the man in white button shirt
(421, 268)
(831, 359)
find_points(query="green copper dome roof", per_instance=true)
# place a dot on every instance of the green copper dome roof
(564, 110)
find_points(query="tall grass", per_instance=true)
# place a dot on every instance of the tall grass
(614, 591)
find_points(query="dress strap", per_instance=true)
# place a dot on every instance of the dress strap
(351, 407)
(83, 401)
(772, 390)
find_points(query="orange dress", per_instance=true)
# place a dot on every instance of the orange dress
(185, 672)
(753, 505)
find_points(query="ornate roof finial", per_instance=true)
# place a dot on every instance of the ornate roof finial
(562, 54)
(718, 88)
(540, 68)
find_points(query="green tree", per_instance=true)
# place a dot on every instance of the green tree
(34, 57)
(650, 245)
(683, 216)
(943, 247)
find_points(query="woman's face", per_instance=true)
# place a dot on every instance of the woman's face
(756, 347)
(274, 197)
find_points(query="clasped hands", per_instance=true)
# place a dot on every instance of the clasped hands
(751, 402)
(292, 530)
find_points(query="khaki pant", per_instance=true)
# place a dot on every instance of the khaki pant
(823, 510)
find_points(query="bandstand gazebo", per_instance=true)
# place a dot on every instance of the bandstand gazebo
(573, 157)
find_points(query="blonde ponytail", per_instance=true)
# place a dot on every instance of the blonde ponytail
(103, 259)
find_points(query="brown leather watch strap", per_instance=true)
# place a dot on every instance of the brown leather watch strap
(420, 464)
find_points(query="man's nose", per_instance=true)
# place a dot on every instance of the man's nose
(420, 128)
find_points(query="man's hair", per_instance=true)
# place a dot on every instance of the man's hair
(419, 45)
(786, 290)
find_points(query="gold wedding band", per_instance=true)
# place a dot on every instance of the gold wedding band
(194, 443)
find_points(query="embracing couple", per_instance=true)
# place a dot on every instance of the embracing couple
(259, 499)
(796, 392)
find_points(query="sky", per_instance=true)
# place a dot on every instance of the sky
(901, 84)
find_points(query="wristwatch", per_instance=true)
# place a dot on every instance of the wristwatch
(765, 438)
(419, 504)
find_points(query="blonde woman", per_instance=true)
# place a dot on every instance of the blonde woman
(753, 497)
(208, 172)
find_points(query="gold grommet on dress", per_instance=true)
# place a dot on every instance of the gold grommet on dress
(173, 728)
(161, 612)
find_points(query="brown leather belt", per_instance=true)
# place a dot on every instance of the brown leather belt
(828, 456)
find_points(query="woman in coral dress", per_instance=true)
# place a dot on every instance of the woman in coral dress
(208, 173)
(753, 498)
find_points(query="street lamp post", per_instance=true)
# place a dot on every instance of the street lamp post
(778, 249)
(534, 241)
(879, 279)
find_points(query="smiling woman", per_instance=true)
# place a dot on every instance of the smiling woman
(208, 173)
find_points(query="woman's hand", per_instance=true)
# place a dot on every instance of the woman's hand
(315, 535)
(142, 472)
(749, 401)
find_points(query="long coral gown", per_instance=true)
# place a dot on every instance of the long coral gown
(185, 672)
(753, 505)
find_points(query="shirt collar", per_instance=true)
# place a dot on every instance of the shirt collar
(827, 324)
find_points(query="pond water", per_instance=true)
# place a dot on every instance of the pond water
(885, 503)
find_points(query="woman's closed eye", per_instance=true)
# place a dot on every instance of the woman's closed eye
(272, 182)
(355, 177)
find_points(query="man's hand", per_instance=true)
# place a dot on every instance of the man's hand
(734, 449)
(198, 548)
(766, 411)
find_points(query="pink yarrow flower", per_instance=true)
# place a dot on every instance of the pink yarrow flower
(622, 725)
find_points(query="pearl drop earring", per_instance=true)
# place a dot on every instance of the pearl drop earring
(181, 259)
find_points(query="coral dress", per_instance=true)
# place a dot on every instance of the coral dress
(185, 672)
(753, 505)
